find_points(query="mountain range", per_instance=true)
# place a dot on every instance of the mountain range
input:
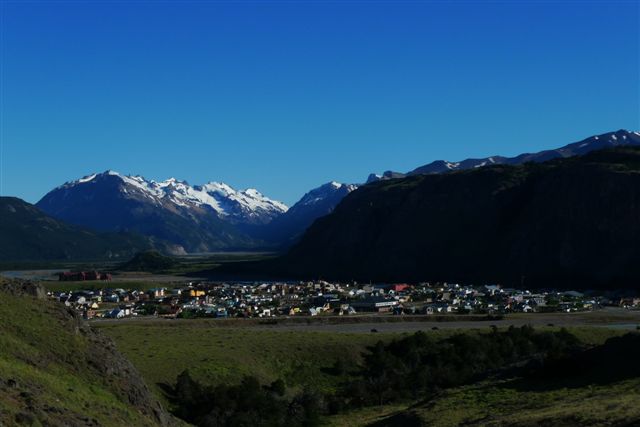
(204, 218)
(176, 217)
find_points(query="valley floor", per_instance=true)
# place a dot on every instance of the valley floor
(608, 317)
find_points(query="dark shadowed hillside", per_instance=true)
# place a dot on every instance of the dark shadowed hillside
(569, 222)
(28, 234)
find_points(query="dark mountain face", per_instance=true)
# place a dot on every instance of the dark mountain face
(317, 203)
(28, 234)
(568, 223)
(107, 202)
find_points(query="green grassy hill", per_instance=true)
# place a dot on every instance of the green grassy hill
(56, 371)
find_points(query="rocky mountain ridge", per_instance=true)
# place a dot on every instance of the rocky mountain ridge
(618, 138)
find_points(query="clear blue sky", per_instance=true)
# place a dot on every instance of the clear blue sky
(284, 96)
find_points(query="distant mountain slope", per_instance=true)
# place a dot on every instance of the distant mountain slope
(28, 234)
(317, 203)
(386, 175)
(569, 222)
(606, 140)
(57, 371)
(196, 219)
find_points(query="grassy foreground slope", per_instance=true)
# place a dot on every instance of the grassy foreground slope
(519, 404)
(223, 355)
(510, 403)
(55, 370)
(214, 355)
(598, 386)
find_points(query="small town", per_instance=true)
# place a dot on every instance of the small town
(264, 300)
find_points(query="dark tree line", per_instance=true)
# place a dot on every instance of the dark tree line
(418, 366)
(243, 405)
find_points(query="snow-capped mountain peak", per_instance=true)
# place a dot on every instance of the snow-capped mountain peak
(218, 187)
(326, 191)
(240, 206)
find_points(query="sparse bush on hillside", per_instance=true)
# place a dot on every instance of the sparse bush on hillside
(150, 261)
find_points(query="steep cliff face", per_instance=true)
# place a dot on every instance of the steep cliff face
(570, 222)
(55, 370)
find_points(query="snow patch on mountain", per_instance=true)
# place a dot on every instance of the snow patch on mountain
(87, 178)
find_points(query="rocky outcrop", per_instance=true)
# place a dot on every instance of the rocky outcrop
(53, 345)
(107, 362)
(22, 288)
